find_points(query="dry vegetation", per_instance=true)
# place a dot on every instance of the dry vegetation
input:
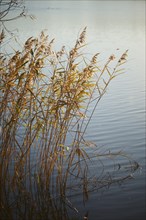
(45, 98)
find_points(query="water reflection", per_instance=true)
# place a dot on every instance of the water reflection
(119, 121)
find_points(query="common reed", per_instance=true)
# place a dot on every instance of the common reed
(45, 97)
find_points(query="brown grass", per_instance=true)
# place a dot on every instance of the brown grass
(45, 98)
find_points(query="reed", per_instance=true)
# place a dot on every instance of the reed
(46, 98)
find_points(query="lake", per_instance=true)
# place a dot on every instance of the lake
(119, 121)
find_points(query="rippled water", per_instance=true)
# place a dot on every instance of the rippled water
(119, 121)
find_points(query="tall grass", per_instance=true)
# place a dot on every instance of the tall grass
(45, 108)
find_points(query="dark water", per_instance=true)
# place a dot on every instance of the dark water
(119, 121)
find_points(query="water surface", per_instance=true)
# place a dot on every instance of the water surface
(119, 121)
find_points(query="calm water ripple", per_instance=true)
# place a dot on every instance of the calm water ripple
(119, 121)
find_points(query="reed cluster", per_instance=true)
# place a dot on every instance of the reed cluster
(45, 108)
